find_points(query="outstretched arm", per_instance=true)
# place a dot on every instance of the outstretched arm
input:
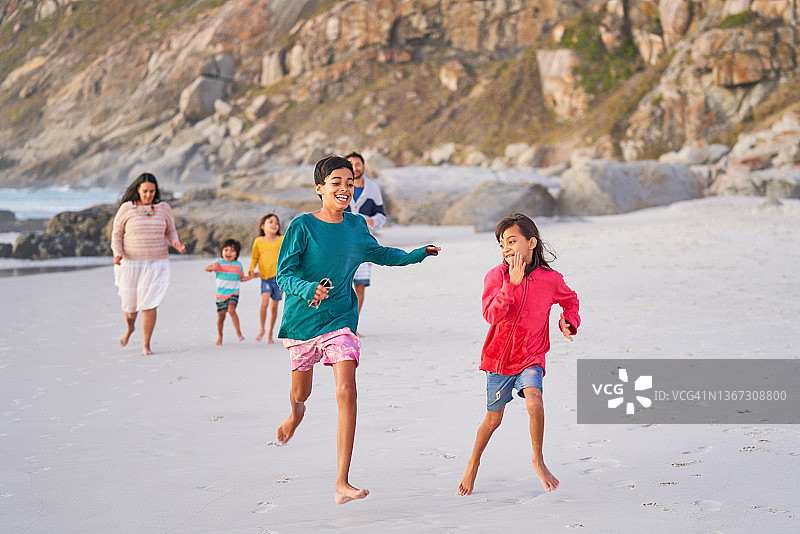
(212, 267)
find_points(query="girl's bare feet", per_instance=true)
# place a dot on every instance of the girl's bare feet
(146, 351)
(549, 481)
(219, 341)
(468, 480)
(270, 340)
(260, 336)
(240, 336)
(348, 493)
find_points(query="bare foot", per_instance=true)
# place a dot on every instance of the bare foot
(549, 481)
(468, 480)
(286, 430)
(348, 493)
(270, 340)
(260, 336)
(219, 341)
(240, 336)
(124, 339)
(146, 351)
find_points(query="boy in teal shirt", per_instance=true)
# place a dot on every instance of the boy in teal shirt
(319, 256)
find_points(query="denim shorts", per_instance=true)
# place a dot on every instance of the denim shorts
(271, 286)
(500, 388)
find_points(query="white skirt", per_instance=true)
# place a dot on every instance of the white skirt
(142, 284)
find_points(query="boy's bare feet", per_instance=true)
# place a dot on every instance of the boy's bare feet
(549, 481)
(240, 336)
(260, 336)
(348, 493)
(146, 351)
(468, 480)
(219, 341)
(125, 337)
(287, 428)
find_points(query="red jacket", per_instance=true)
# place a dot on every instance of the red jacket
(519, 335)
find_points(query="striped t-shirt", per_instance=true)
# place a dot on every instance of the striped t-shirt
(143, 233)
(229, 278)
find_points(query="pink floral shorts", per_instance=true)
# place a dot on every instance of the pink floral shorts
(329, 348)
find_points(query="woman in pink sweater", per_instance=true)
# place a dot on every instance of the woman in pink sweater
(143, 228)
(517, 297)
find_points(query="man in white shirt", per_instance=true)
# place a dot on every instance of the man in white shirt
(367, 202)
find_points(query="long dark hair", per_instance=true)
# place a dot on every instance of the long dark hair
(132, 193)
(264, 219)
(529, 230)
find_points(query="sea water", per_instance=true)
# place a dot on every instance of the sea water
(31, 203)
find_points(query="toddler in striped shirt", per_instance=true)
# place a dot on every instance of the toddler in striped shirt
(229, 274)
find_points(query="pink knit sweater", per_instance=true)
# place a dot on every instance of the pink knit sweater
(139, 236)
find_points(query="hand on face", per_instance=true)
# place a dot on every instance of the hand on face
(516, 270)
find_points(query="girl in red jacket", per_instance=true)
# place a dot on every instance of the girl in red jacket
(517, 297)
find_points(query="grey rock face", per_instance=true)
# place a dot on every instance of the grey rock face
(601, 187)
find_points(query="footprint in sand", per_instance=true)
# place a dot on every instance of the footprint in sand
(264, 507)
(698, 450)
(601, 464)
(282, 480)
(707, 505)
(684, 464)
(623, 484)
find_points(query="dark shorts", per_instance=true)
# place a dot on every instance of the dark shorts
(222, 304)
(270, 285)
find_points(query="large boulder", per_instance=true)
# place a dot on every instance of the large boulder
(204, 224)
(197, 100)
(491, 201)
(70, 233)
(602, 187)
(93, 224)
(776, 183)
(562, 93)
(286, 186)
(423, 195)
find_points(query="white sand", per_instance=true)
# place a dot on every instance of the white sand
(95, 438)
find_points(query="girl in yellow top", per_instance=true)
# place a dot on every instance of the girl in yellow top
(265, 254)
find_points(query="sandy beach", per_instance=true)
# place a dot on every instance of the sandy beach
(96, 438)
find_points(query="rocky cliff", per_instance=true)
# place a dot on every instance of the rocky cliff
(95, 92)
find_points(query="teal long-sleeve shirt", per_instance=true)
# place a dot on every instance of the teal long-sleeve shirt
(312, 250)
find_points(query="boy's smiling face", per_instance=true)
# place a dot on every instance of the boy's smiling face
(337, 190)
(228, 253)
